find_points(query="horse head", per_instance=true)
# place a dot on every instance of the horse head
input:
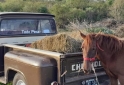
(89, 48)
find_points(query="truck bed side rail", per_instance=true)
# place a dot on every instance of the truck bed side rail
(44, 52)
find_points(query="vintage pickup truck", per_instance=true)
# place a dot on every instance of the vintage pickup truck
(23, 65)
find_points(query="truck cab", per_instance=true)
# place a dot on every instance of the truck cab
(22, 28)
(23, 65)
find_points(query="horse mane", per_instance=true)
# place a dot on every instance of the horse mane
(111, 42)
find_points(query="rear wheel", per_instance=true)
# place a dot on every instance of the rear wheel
(19, 79)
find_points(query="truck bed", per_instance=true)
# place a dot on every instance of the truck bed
(69, 67)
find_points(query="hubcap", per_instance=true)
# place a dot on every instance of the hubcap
(20, 82)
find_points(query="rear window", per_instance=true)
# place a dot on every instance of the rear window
(27, 26)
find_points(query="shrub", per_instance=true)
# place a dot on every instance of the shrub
(119, 31)
(61, 13)
(32, 7)
(77, 14)
(96, 11)
(87, 28)
(12, 5)
(97, 30)
(29, 7)
(43, 9)
(79, 4)
(117, 10)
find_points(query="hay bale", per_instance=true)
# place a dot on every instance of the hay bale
(34, 45)
(75, 35)
(58, 43)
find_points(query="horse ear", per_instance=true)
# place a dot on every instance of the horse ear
(82, 35)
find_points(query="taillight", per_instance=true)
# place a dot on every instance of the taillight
(27, 45)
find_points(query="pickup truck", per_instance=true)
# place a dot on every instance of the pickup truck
(23, 65)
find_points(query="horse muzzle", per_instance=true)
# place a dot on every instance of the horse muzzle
(86, 71)
(87, 66)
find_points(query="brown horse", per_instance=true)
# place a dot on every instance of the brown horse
(109, 50)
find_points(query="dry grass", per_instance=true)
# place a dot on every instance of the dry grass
(119, 31)
(75, 35)
(62, 43)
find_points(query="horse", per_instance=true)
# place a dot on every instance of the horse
(109, 49)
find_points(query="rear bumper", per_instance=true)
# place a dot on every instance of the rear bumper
(87, 79)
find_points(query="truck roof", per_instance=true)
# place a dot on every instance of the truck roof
(25, 13)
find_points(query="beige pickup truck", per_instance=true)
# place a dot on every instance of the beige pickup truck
(28, 66)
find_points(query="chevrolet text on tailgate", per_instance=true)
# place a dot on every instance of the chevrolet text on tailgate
(77, 66)
(71, 67)
(22, 65)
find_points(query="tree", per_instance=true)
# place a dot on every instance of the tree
(61, 13)
(96, 11)
(77, 14)
(43, 9)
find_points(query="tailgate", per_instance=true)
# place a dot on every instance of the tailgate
(72, 75)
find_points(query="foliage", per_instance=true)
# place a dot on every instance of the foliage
(1, 7)
(88, 28)
(117, 10)
(34, 7)
(97, 30)
(119, 31)
(43, 9)
(79, 4)
(69, 10)
(96, 11)
(12, 5)
(61, 13)
(77, 14)
(109, 2)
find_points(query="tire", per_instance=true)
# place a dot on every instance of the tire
(19, 79)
